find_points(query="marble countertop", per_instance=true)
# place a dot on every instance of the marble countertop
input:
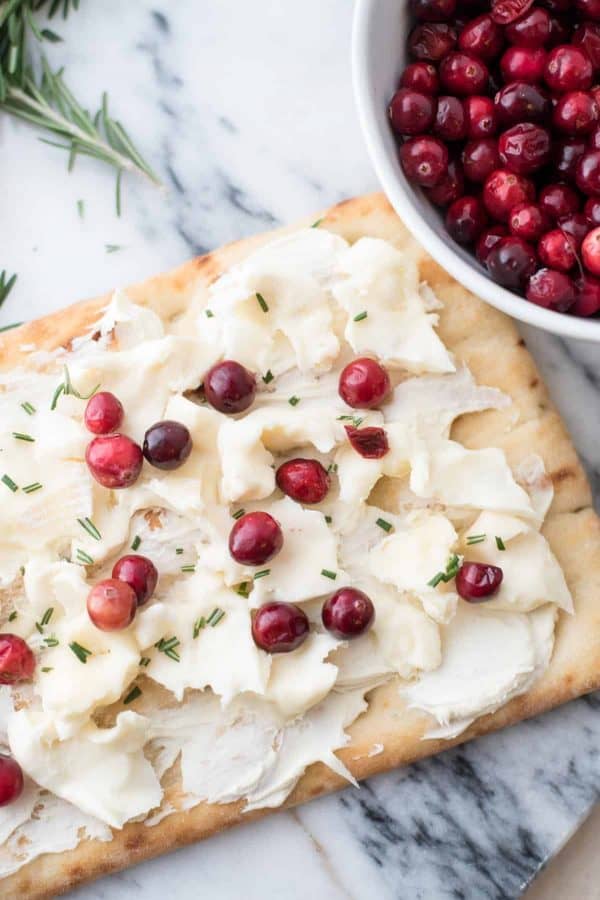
(246, 112)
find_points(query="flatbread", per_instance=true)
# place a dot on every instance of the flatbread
(489, 343)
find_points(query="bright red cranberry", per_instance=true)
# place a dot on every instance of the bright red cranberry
(576, 226)
(587, 173)
(364, 383)
(255, 539)
(587, 302)
(481, 117)
(463, 74)
(411, 112)
(167, 444)
(433, 10)
(480, 158)
(422, 77)
(348, 613)
(304, 480)
(139, 573)
(503, 190)
(575, 113)
(558, 200)
(103, 413)
(590, 251)
(568, 68)
(114, 460)
(591, 210)
(11, 780)
(17, 662)
(566, 155)
(587, 36)
(522, 102)
(589, 8)
(512, 262)
(111, 605)
(450, 119)
(481, 37)
(528, 221)
(229, 387)
(466, 219)
(431, 41)
(523, 64)
(424, 160)
(531, 30)
(560, 30)
(524, 148)
(371, 442)
(557, 250)
(450, 188)
(279, 627)
(506, 11)
(551, 289)
(489, 239)
(476, 582)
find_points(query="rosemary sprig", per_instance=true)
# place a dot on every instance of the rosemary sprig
(80, 652)
(133, 694)
(66, 388)
(168, 646)
(6, 285)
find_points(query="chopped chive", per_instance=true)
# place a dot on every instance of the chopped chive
(189, 568)
(10, 327)
(84, 557)
(136, 542)
(294, 401)
(436, 579)
(262, 574)
(51, 641)
(10, 484)
(28, 407)
(262, 302)
(91, 529)
(316, 224)
(243, 589)
(12, 616)
(47, 616)
(328, 574)
(452, 567)
(178, 550)
(332, 468)
(268, 377)
(500, 543)
(80, 652)
(59, 390)
(199, 624)
(387, 526)
(215, 617)
(80, 208)
(133, 694)
(475, 538)
(238, 514)
(6, 286)
(19, 436)
(209, 314)
(362, 315)
(145, 661)
(32, 488)
(39, 627)
(328, 519)
(112, 248)
(47, 668)
(356, 420)
(168, 647)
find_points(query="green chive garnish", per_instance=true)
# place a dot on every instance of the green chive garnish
(133, 694)
(316, 224)
(268, 378)
(199, 624)
(178, 550)
(238, 514)
(262, 302)
(387, 526)
(145, 661)
(328, 519)
(328, 574)
(189, 568)
(51, 641)
(28, 407)
(47, 668)
(452, 567)
(262, 574)
(10, 484)
(209, 314)
(91, 529)
(12, 616)
(168, 647)
(136, 542)
(84, 557)
(19, 436)
(80, 652)
(47, 616)
(475, 538)
(500, 543)
(215, 617)
(356, 420)
(32, 488)
(332, 468)
(243, 589)
(294, 401)
(362, 315)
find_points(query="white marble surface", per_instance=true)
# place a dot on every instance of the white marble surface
(246, 112)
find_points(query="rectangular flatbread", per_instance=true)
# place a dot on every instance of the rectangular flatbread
(490, 345)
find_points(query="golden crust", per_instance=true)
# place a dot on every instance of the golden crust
(490, 345)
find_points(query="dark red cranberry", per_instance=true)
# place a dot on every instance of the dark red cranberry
(431, 41)
(480, 114)
(558, 200)
(478, 581)
(558, 7)
(531, 30)
(489, 239)
(587, 302)
(528, 221)
(523, 64)
(595, 92)
(103, 413)
(524, 148)
(575, 113)
(114, 460)
(592, 210)
(587, 173)
(424, 160)
(466, 219)
(11, 780)
(480, 158)
(279, 627)
(421, 76)
(304, 480)
(576, 226)
(370, 442)
(589, 8)
(566, 155)
(111, 605)
(167, 444)
(557, 250)
(433, 10)
(450, 188)
(512, 262)
(551, 289)
(503, 190)
(594, 137)
(590, 251)
(139, 573)
(255, 539)
(506, 11)
(411, 112)
(364, 383)
(560, 30)
(348, 613)
(568, 68)
(17, 662)
(522, 102)
(450, 119)
(463, 74)
(587, 36)
(229, 387)
(481, 37)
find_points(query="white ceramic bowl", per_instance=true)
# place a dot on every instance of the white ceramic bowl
(378, 57)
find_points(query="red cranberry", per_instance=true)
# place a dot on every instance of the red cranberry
(371, 442)
(279, 627)
(528, 221)
(587, 36)
(560, 30)
(481, 37)
(558, 200)
(411, 112)
(139, 573)
(480, 158)
(433, 10)
(587, 302)
(557, 250)
(524, 148)
(450, 119)
(424, 160)
(575, 113)
(167, 444)
(566, 155)
(348, 613)
(503, 190)
(558, 7)
(531, 30)
(592, 210)
(568, 68)
(103, 413)
(594, 137)
(481, 117)
(506, 11)
(11, 780)
(466, 219)
(478, 581)
(450, 188)
(17, 662)
(304, 480)
(463, 74)
(589, 8)
(114, 460)
(576, 226)
(111, 605)
(511, 262)
(523, 64)
(229, 387)
(522, 102)
(551, 289)
(421, 76)
(363, 383)
(255, 539)
(489, 239)
(590, 251)
(431, 41)
(587, 173)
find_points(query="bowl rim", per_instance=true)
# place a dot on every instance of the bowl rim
(386, 170)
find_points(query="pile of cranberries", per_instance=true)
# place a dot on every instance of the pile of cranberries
(498, 119)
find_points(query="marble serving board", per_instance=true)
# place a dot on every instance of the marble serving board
(246, 112)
